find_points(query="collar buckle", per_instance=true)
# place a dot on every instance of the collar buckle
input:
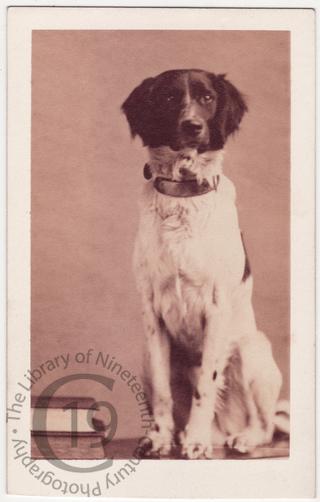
(186, 188)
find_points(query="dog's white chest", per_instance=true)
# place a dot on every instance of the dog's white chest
(185, 248)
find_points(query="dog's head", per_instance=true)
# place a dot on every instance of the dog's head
(185, 109)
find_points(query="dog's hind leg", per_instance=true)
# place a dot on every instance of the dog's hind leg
(261, 387)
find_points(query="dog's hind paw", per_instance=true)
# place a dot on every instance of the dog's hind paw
(247, 440)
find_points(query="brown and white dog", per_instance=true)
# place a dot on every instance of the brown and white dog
(193, 273)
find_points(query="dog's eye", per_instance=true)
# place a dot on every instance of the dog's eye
(206, 98)
(170, 98)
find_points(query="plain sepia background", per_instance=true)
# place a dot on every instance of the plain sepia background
(87, 175)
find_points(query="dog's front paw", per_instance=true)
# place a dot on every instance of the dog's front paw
(158, 442)
(196, 444)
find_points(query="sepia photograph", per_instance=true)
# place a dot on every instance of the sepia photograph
(160, 321)
(172, 251)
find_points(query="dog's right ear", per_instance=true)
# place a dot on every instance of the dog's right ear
(137, 108)
(230, 110)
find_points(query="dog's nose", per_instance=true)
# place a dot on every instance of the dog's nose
(184, 171)
(192, 127)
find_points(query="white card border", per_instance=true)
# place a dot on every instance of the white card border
(304, 202)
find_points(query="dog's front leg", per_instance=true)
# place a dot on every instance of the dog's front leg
(158, 364)
(197, 441)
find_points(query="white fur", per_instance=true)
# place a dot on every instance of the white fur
(189, 262)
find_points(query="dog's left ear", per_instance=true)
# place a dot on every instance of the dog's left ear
(137, 108)
(231, 107)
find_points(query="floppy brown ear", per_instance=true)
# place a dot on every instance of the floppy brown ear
(137, 108)
(231, 107)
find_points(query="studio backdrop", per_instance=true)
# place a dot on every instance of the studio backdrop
(86, 182)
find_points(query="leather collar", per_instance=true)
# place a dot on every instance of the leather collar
(186, 188)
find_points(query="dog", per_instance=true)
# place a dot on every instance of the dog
(193, 274)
